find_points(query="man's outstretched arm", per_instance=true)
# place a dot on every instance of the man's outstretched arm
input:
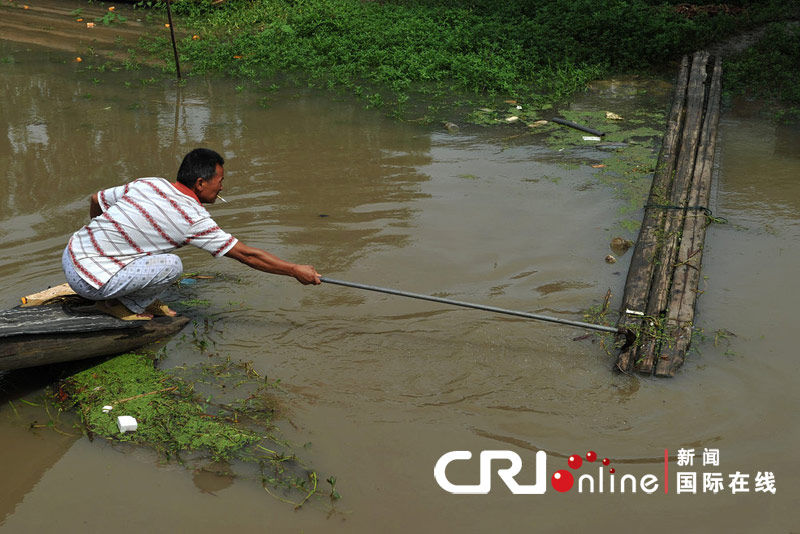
(264, 261)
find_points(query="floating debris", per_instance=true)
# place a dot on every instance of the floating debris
(611, 259)
(613, 116)
(611, 146)
(620, 246)
(126, 423)
(570, 124)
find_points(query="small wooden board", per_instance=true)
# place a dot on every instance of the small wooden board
(41, 297)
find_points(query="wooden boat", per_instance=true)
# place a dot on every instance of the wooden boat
(58, 326)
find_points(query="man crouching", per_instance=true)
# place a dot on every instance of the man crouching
(121, 258)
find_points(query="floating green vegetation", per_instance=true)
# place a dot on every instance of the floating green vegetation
(511, 112)
(219, 413)
(631, 143)
(629, 225)
(170, 419)
(194, 303)
(647, 329)
(640, 127)
(629, 171)
(598, 314)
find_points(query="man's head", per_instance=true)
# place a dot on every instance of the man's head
(201, 171)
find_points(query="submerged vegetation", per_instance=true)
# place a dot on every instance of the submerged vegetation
(202, 416)
(402, 53)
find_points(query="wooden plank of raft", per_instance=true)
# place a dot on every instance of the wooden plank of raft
(637, 284)
(662, 278)
(686, 276)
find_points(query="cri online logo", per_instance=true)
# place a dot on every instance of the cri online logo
(561, 481)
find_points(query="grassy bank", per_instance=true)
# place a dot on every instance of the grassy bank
(769, 70)
(445, 52)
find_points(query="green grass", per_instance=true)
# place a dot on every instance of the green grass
(443, 53)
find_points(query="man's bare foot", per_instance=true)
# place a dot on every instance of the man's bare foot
(116, 309)
(161, 309)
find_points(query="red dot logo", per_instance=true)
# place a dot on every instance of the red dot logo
(591, 456)
(606, 461)
(562, 480)
(575, 461)
(612, 471)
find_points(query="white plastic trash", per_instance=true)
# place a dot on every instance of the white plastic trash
(107, 408)
(591, 138)
(126, 423)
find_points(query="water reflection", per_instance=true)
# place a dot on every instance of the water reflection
(766, 159)
(299, 173)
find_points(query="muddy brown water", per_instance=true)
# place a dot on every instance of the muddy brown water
(381, 386)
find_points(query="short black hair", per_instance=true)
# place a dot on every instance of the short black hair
(199, 163)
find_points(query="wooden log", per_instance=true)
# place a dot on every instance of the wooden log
(67, 314)
(686, 276)
(662, 277)
(71, 328)
(637, 284)
(17, 352)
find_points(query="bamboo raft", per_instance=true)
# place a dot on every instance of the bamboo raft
(662, 285)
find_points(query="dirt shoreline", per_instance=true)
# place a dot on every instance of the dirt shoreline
(73, 26)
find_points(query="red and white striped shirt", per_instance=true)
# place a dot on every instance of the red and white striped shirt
(146, 216)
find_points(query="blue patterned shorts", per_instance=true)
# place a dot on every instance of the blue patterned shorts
(136, 285)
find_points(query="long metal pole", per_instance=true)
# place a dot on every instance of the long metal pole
(172, 34)
(601, 328)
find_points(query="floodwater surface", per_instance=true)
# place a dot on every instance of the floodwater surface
(379, 387)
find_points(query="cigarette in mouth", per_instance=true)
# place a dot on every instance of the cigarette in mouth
(222, 199)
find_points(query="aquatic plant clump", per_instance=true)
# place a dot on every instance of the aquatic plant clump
(177, 422)
(170, 419)
(631, 147)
